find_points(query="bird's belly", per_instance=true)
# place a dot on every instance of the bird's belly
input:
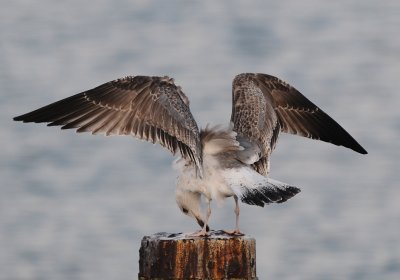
(216, 186)
(213, 185)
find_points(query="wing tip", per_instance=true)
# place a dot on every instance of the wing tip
(362, 151)
(355, 146)
(26, 118)
(19, 118)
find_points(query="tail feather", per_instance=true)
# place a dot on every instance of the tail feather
(254, 189)
(267, 194)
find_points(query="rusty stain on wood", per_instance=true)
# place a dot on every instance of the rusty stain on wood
(219, 256)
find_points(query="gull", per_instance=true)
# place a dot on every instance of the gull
(215, 162)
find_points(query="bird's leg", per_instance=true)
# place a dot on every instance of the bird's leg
(203, 231)
(237, 212)
(236, 231)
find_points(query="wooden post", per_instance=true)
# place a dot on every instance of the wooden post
(218, 256)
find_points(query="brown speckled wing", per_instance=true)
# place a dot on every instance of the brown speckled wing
(150, 108)
(263, 105)
(254, 118)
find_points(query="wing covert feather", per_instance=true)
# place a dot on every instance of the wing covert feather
(150, 108)
(280, 108)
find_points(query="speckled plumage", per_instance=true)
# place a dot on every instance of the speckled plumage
(284, 109)
(216, 162)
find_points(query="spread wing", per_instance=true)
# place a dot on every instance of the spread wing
(149, 108)
(263, 105)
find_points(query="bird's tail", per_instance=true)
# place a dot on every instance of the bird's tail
(255, 189)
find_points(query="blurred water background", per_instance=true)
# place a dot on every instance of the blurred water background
(76, 206)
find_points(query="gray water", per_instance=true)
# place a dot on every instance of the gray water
(76, 206)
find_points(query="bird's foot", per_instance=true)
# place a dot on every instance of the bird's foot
(235, 232)
(199, 233)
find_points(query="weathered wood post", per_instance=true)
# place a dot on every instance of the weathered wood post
(218, 256)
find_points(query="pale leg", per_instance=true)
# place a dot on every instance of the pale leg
(237, 212)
